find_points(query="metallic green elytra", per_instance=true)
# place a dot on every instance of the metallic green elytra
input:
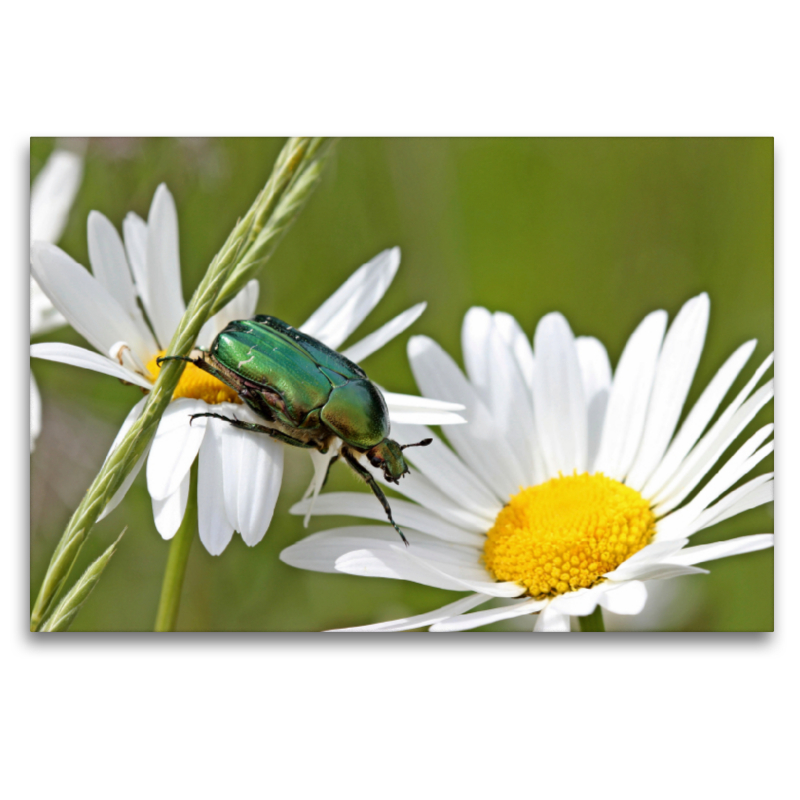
(307, 394)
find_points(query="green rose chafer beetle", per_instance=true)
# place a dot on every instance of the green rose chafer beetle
(307, 394)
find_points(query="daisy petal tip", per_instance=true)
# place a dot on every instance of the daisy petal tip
(699, 304)
(40, 248)
(299, 508)
(555, 320)
(417, 345)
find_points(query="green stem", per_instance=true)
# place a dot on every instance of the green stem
(594, 622)
(175, 570)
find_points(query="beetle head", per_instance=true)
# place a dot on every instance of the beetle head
(388, 456)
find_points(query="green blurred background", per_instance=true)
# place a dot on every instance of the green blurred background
(603, 230)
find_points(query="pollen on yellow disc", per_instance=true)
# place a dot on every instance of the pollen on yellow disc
(564, 534)
(197, 383)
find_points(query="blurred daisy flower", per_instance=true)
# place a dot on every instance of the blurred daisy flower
(52, 194)
(567, 488)
(240, 473)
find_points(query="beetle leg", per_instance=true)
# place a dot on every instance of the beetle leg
(162, 359)
(200, 363)
(256, 402)
(377, 491)
(250, 426)
(328, 471)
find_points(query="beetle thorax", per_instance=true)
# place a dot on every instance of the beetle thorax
(356, 412)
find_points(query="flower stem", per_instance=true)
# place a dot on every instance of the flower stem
(179, 548)
(594, 622)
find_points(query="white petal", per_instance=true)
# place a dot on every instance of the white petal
(479, 443)
(580, 603)
(214, 527)
(497, 378)
(127, 424)
(88, 307)
(370, 344)
(407, 409)
(700, 415)
(511, 404)
(86, 359)
(421, 620)
(396, 562)
(44, 317)
(243, 306)
(358, 504)
(175, 447)
(596, 376)
(594, 364)
(168, 513)
(630, 394)
(321, 463)
(561, 419)
(376, 551)
(36, 412)
(133, 415)
(736, 467)
(231, 443)
(319, 551)
(447, 472)
(110, 268)
(708, 451)
(551, 621)
(423, 491)
(517, 342)
(677, 364)
(413, 402)
(625, 598)
(709, 552)
(457, 563)
(126, 484)
(752, 494)
(479, 618)
(52, 194)
(474, 335)
(516, 339)
(165, 301)
(651, 571)
(657, 551)
(420, 417)
(134, 231)
(347, 307)
(252, 469)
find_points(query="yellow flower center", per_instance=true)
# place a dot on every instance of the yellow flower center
(564, 534)
(197, 383)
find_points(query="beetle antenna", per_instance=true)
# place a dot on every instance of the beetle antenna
(423, 443)
(160, 361)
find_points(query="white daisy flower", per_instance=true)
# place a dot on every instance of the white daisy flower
(566, 489)
(239, 472)
(52, 194)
